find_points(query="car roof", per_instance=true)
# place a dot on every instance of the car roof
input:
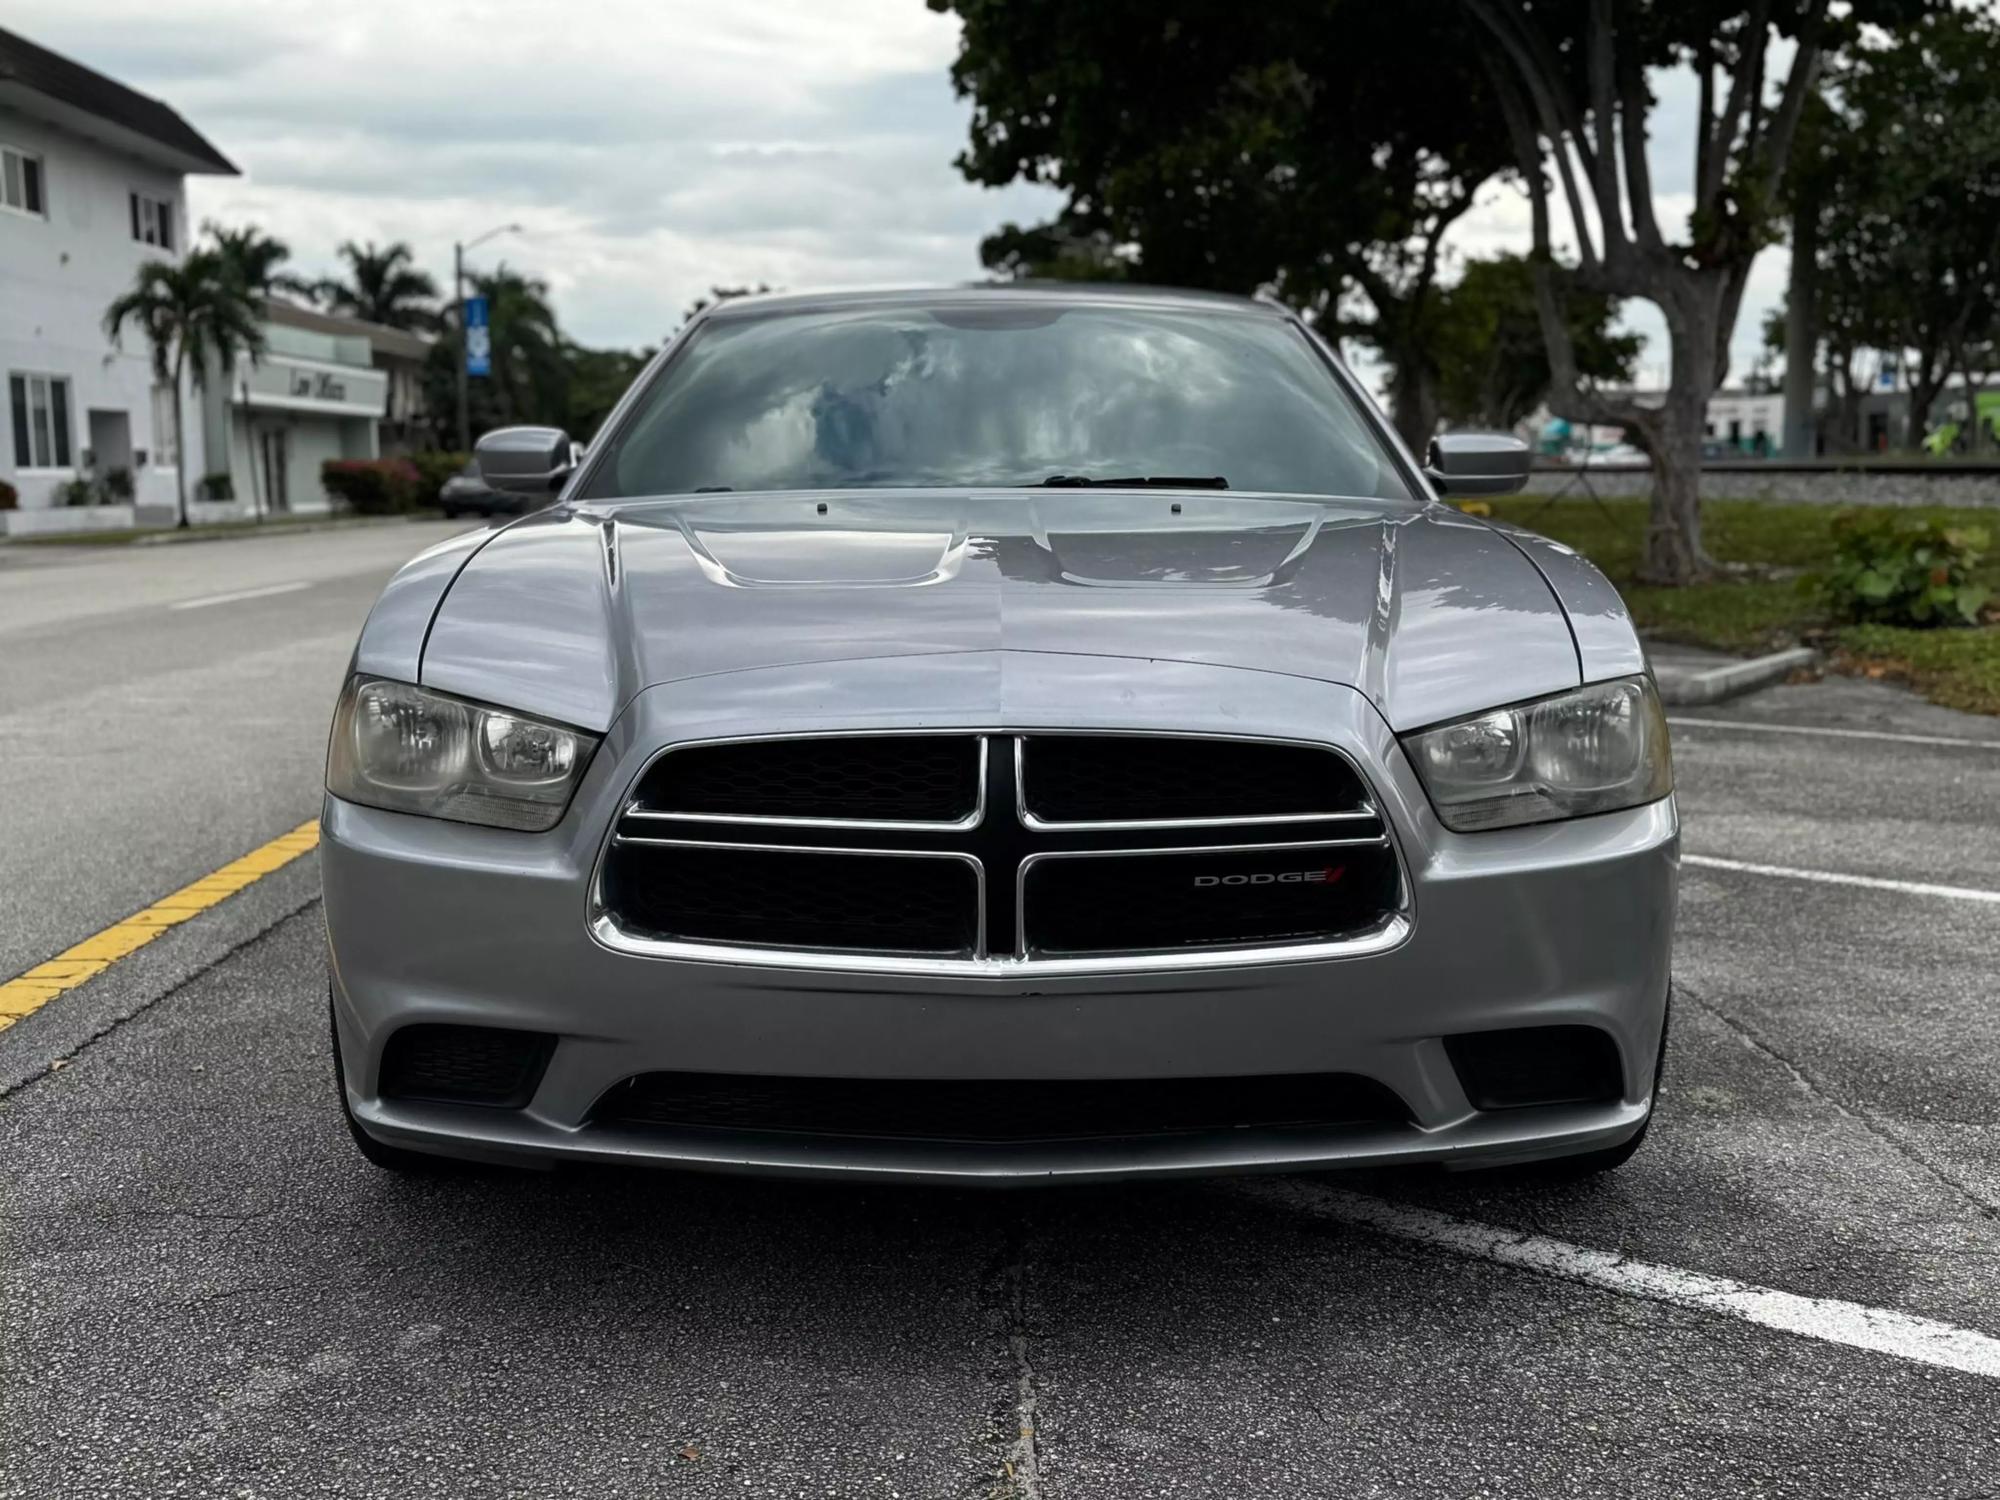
(1101, 293)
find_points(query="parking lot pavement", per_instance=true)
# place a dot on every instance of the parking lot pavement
(209, 1293)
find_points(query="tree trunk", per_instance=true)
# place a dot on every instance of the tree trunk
(1413, 397)
(1801, 335)
(1923, 395)
(180, 442)
(1674, 552)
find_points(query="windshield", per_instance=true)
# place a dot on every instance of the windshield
(998, 395)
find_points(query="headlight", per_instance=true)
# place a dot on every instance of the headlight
(1594, 750)
(411, 750)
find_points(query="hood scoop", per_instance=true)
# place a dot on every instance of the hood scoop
(1232, 557)
(835, 554)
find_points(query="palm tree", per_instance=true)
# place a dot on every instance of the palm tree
(530, 370)
(197, 316)
(255, 257)
(383, 286)
(531, 357)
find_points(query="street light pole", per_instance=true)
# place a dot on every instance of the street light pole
(464, 334)
(464, 348)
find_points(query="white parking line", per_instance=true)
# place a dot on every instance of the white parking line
(240, 594)
(1828, 1319)
(1844, 734)
(1831, 877)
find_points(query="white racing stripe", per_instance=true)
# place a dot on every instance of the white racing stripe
(240, 594)
(1828, 1319)
(1831, 877)
(1844, 734)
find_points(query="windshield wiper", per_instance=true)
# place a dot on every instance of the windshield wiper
(1135, 482)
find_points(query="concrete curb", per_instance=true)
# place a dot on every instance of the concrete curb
(1684, 687)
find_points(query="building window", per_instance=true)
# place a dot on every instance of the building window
(21, 181)
(40, 407)
(152, 221)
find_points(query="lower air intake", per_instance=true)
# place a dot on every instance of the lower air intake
(1536, 1065)
(997, 1111)
(465, 1065)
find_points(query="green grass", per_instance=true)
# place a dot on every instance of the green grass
(207, 531)
(1773, 604)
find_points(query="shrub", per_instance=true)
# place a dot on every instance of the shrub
(371, 486)
(10, 498)
(433, 469)
(117, 485)
(215, 487)
(1893, 569)
(77, 491)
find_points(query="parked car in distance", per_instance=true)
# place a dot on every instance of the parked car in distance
(467, 494)
(1000, 734)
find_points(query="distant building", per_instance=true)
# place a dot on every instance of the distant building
(1745, 424)
(407, 424)
(91, 177)
(320, 390)
(1737, 424)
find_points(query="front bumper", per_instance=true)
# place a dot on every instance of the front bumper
(1567, 923)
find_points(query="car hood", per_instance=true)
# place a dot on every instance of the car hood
(1428, 612)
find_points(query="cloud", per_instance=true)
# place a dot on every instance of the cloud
(652, 148)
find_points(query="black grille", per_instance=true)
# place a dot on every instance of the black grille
(1075, 778)
(918, 778)
(1188, 853)
(465, 1064)
(795, 899)
(984, 1110)
(1166, 901)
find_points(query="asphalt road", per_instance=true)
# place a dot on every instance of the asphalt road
(205, 1292)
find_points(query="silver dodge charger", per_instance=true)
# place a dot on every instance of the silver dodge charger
(999, 734)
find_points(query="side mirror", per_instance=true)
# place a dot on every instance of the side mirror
(525, 460)
(1477, 463)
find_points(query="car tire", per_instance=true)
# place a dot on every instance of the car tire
(388, 1158)
(451, 512)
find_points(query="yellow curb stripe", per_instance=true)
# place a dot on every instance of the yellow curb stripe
(28, 993)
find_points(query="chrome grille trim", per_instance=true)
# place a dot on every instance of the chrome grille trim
(978, 875)
(1362, 812)
(1390, 932)
(1044, 856)
(634, 809)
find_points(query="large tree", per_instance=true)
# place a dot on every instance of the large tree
(1320, 150)
(197, 316)
(1572, 81)
(382, 285)
(1894, 198)
(1493, 363)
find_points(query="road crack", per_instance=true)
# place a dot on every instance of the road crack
(1016, 1425)
(120, 1021)
(1883, 1130)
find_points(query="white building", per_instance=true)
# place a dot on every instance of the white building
(311, 396)
(90, 187)
(1746, 424)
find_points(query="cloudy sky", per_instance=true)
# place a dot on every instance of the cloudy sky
(649, 147)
